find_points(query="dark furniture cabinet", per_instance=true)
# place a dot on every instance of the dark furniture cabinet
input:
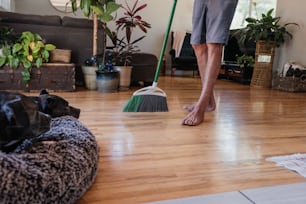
(50, 76)
(229, 68)
(236, 73)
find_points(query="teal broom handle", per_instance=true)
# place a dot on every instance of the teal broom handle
(165, 42)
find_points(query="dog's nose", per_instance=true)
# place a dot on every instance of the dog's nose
(75, 112)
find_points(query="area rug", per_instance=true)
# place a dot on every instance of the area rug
(294, 162)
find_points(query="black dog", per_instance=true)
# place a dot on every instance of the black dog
(55, 106)
(24, 117)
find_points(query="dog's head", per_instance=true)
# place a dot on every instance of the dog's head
(20, 118)
(56, 106)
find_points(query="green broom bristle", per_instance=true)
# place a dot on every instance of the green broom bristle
(133, 104)
(146, 103)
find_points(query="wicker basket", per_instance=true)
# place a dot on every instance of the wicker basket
(290, 84)
(262, 72)
(292, 78)
(263, 48)
(60, 55)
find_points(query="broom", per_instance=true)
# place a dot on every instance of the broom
(152, 98)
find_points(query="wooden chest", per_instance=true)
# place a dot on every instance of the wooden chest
(50, 76)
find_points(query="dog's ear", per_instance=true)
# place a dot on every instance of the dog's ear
(43, 91)
(51, 102)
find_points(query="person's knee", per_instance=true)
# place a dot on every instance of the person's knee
(200, 48)
(215, 48)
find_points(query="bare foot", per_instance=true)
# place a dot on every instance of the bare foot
(195, 117)
(211, 106)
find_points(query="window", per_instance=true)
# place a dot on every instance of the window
(246, 8)
(7, 5)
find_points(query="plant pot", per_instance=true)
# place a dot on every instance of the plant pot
(125, 77)
(90, 77)
(107, 82)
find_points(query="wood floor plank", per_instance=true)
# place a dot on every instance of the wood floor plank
(149, 156)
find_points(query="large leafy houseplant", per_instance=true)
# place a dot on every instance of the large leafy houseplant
(103, 11)
(99, 10)
(266, 28)
(125, 46)
(268, 33)
(27, 51)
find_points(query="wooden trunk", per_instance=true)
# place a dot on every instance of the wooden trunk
(50, 76)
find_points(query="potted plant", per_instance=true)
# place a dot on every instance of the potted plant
(246, 64)
(125, 46)
(268, 34)
(27, 51)
(245, 61)
(107, 76)
(102, 11)
(267, 29)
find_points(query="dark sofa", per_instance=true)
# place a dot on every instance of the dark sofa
(74, 34)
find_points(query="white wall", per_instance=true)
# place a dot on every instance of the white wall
(7, 5)
(295, 49)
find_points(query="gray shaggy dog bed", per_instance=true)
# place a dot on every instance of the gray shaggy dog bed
(57, 167)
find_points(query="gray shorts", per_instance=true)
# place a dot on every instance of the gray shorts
(211, 20)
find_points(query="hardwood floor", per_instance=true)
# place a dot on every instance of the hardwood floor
(150, 156)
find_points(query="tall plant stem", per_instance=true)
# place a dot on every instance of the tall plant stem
(95, 34)
(104, 43)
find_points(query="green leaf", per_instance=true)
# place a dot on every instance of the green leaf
(74, 5)
(2, 61)
(17, 47)
(45, 55)
(27, 36)
(27, 64)
(37, 37)
(6, 51)
(36, 50)
(14, 62)
(270, 12)
(104, 18)
(39, 44)
(50, 47)
(39, 62)
(25, 75)
(85, 6)
(112, 7)
(98, 10)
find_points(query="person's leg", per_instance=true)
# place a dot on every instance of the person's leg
(209, 59)
(201, 54)
(211, 22)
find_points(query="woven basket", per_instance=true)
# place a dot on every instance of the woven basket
(262, 72)
(60, 55)
(263, 48)
(291, 84)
